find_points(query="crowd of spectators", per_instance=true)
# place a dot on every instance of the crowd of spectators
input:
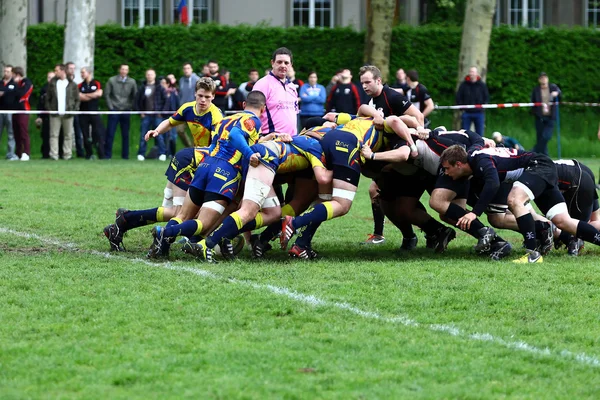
(65, 135)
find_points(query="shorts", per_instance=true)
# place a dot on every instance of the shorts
(216, 175)
(498, 204)
(183, 165)
(460, 186)
(393, 185)
(342, 155)
(582, 201)
(270, 154)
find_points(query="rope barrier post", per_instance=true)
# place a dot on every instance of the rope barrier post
(558, 127)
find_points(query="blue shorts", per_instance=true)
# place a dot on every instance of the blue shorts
(216, 175)
(342, 155)
(183, 166)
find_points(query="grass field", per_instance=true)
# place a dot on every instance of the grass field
(364, 323)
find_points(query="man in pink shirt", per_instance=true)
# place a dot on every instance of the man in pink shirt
(282, 98)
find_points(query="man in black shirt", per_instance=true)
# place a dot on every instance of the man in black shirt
(473, 90)
(7, 99)
(89, 93)
(344, 96)
(418, 95)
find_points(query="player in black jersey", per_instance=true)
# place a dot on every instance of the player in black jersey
(386, 101)
(535, 179)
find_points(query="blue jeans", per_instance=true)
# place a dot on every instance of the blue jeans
(111, 129)
(151, 122)
(478, 118)
(544, 128)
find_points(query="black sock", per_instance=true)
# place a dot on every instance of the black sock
(527, 229)
(588, 233)
(378, 219)
(407, 230)
(272, 230)
(456, 212)
(431, 227)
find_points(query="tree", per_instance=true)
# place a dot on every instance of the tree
(475, 42)
(380, 18)
(13, 31)
(80, 28)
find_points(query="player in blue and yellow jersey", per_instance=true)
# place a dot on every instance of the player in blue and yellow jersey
(180, 174)
(217, 178)
(202, 116)
(341, 148)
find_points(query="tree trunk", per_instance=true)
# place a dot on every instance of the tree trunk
(80, 30)
(475, 42)
(13, 33)
(380, 18)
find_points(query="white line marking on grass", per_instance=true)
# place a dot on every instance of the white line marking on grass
(315, 301)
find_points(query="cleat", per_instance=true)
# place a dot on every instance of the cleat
(199, 250)
(444, 236)
(500, 249)
(409, 244)
(120, 220)
(287, 231)
(115, 237)
(486, 236)
(374, 239)
(575, 246)
(531, 257)
(430, 241)
(313, 254)
(546, 236)
(238, 243)
(226, 247)
(300, 252)
(259, 248)
(160, 246)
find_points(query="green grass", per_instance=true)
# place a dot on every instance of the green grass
(360, 323)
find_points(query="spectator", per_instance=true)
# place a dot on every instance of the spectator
(312, 98)
(151, 96)
(334, 81)
(20, 122)
(344, 96)
(7, 100)
(545, 115)
(187, 85)
(296, 83)
(77, 132)
(506, 141)
(231, 88)
(401, 82)
(221, 93)
(282, 105)
(205, 70)
(90, 91)
(43, 120)
(242, 93)
(173, 102)
(62, 96)
(418, 95)
(473, 91)
(120, 94)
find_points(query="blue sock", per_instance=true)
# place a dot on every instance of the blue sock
(187, 228)
(228, 229)
(305, 237)
(270, 232)
(136, 218)
(317, 214)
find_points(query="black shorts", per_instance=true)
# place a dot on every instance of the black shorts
(392, 185)
(498, 204)
(582, 200)
(459, 186)
(342, 155)
(540, 168)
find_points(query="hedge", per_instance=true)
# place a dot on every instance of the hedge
(571, 57)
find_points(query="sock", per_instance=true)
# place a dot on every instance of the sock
(319, 213)
(588, 233)
(431, 227)
(136, 218)
(565, 237)
(256, 223)
(407, 230)
(228, 229)
(527, 229)
(272, 230)
(196, 238)
(187, 228)
(378, 219)
(305, 237)
(456, 212)
(287, 210)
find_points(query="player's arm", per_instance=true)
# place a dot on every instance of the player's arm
(163, 127)
(240, 142)
(394, 124)
(491, 185)
(401, 154)
(429, 106)
(414, 112)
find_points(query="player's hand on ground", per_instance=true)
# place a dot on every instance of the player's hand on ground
(151, 134)
(464, 222)
(254, 160)
(366, 151)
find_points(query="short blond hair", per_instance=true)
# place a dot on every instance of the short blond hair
(372, 69)
(206, 84)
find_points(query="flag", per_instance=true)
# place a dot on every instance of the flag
(183, 12)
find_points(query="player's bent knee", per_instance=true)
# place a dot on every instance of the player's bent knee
(558, 214)
(213, 205)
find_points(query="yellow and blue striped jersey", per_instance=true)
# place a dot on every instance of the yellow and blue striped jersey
(201, 124)
(245, 124)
